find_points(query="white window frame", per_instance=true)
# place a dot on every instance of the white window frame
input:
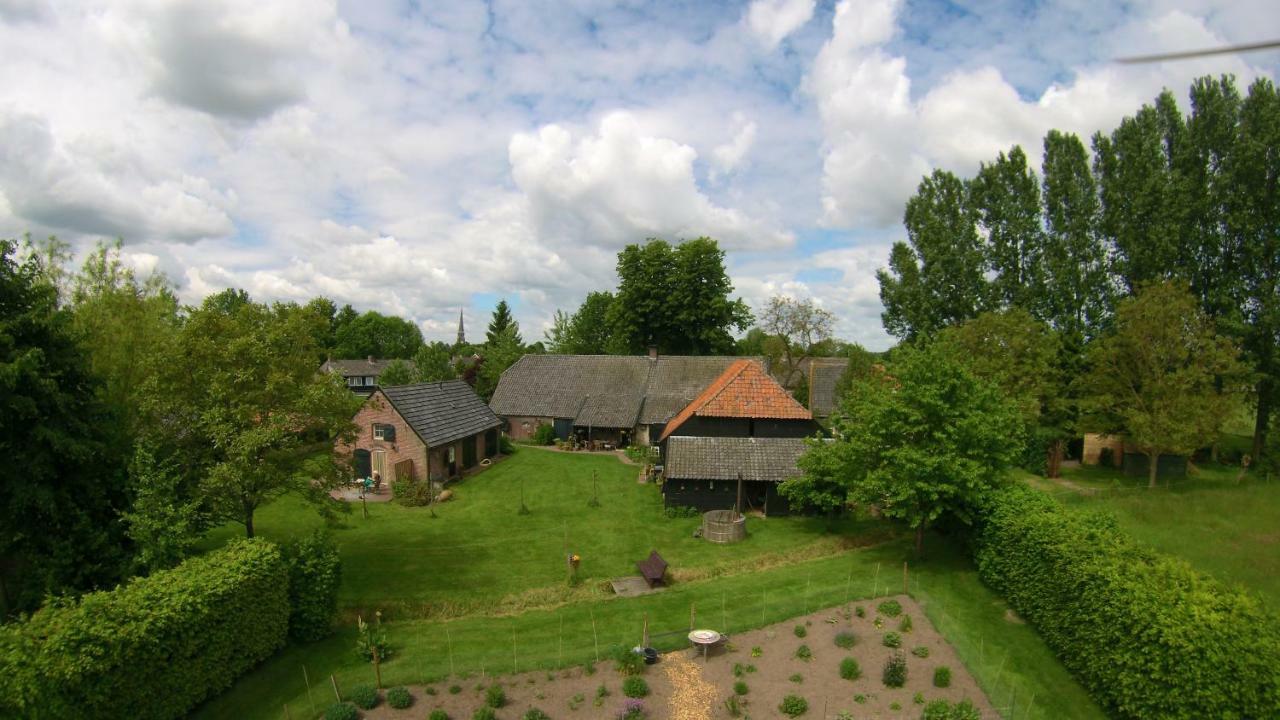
(353, 382)
(369, 381)
(379, 431)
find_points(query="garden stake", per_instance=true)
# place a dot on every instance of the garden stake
(808, 579)
(846, 586)
(691, 617)
(724, 623)
(310, 699)
(377, 667)
(336, 694)
(287, 714)
(560, 652)
(364, 506)
(1031, 702)
(644, 634)
(595, 639)
(904, 577)
(764, 605)
(515, 664)
(875, 587)
(449, 638)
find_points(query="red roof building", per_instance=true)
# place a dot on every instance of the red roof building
(744, 392)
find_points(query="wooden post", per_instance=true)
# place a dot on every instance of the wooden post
(449, 639)
(692, 618)
(310, 699)
(515, 662)
(595, 638)
(644, 634)
(738, 507)
(724, 622)
(336, 694)
(560, 652)
(287, 714)
(364, 506)
(764, 605)
(875, 586)
(808, 578)
(904, 577)
(377, 667)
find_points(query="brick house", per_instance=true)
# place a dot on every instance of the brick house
(437, 430)
(361, 376)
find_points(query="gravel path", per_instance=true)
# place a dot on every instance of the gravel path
(691, 697)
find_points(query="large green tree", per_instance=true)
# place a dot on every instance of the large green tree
(937, 277)
(1078, 297)
(1164, 378)
(64, 487)
(1005, 195)
(240, 404)
(801, 329)
(376, 335)
(585, 332)
(922, 440)
(502, 325)
(677, 298)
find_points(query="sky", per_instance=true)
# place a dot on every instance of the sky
(423, 158)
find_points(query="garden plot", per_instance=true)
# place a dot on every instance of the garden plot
(808, 657)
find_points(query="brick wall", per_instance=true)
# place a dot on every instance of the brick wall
(522, 427)
(407, 445)
(1093, 445)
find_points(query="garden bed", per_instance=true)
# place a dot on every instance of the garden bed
(768, 661)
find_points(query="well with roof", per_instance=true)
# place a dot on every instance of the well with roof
(724, 526)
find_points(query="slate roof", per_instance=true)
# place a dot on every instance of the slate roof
(356, 368)
(743, 390)
(610, 391)
(722, 458)
(824, 373)
(441, 412)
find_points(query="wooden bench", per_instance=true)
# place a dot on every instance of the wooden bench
(653, 569)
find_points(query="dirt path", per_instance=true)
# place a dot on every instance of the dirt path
(691, 697)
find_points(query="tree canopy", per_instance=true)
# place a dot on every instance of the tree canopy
(502, 325)
(800, 328)
(375, 335)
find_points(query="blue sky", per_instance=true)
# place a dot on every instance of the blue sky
(420, 157)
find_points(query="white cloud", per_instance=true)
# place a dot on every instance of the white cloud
(730, 155)
(774, 20)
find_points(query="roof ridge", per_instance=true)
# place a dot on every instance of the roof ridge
(728, 376)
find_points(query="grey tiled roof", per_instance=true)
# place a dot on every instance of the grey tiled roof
(441, 412)
(614, 391)
(722, 458)
(356, 368)
(824, 373)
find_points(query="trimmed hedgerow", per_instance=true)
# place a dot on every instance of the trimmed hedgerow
(315, 572)
(1146, 634)
(154, 648)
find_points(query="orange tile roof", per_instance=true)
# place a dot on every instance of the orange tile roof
(743, 390)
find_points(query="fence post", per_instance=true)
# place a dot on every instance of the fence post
(310, 699)
(595, 639)
(336, 694)
(904, 577)
(449, 639)
(377, 667)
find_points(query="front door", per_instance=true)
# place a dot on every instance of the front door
(361, 464)
(379, 458)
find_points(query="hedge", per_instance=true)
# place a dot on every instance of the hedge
(154, 648)
(315, 572)
(1147, 635)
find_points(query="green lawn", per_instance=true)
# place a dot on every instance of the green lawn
(1223, 528)
(442, 578)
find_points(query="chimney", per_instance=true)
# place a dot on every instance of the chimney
(370, 359)
(653, 352)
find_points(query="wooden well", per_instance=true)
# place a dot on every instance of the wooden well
(724, 526)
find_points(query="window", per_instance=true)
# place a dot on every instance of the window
(353, 382)
(368, 380)
(384, 432)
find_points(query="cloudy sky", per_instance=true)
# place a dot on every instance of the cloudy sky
(419, 157)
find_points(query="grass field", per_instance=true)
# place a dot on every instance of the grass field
(1224, 528)
(443, 579)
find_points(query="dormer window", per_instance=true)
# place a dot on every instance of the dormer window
(368, 381)
(353, 382)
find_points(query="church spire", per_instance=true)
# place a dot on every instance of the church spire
(462, 334)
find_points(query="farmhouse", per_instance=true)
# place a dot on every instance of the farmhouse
(610, 398)
(361, 376)
(435, 430)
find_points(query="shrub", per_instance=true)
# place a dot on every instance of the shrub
(633, 709)
(918, 698)
(732, 706)
(544, 434)
(793, 706)
(892, 640)
(153, 648)
(535, 714)
(797, 678)
(756, 651)
(942, 677)
(740, 688)
(943, 710)
(1126, 620)
(681, 511)
(399, 698)
(799, 631)
(365, 697)
(849, 669)
(315, 572)
(411, 493)
(602, 692)
(804, 653)
(430, 690)
(920, 651)
(371, 637)
(890, 608)
(455, 689)
(576, 701)
(895, 670)
(438, 714)
(635, 687)
(739, 669)
(341, 711)
(495, 696)
(846, 640)
(627, 661)
(484, 713)
(860, 612)
(905, 626)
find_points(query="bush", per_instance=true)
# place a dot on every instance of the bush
(942, 677)
(484, 713)
(535, 714)
(627, 661)
(1135, 627)
(365, 697)
(681, 511)
(849, 669)
(455, 689)
(733, 706)
(890, 608)
(370, 637)
(411, 493)
(544, 434)
(892, 640)
(800, 631)
(399, 698)
(905, 626)
(846, 640)
(804, 653)
(438, 714)
(341, 711)
(793, 706)
(494, 696)
(740, 688)
(860, 612)
(943, 710)
(895, 670)
(154, 648)
(315, 572)
(635, 687)
(920, 651)
(633, 709)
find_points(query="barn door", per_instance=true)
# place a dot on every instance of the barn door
(564, 428)
(380, 464)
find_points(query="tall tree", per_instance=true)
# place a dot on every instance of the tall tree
(376, 335)
(800, 327)
(62, 493)
(397, 372)
(240, 402)
(1006, 197)
(434, 362)
(938, 279)
(499, 355)
(327, 311)
(1164, 378)
(924, 440)
(675, 298)
(501, 325)
(585, 332)
(1079, 291)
